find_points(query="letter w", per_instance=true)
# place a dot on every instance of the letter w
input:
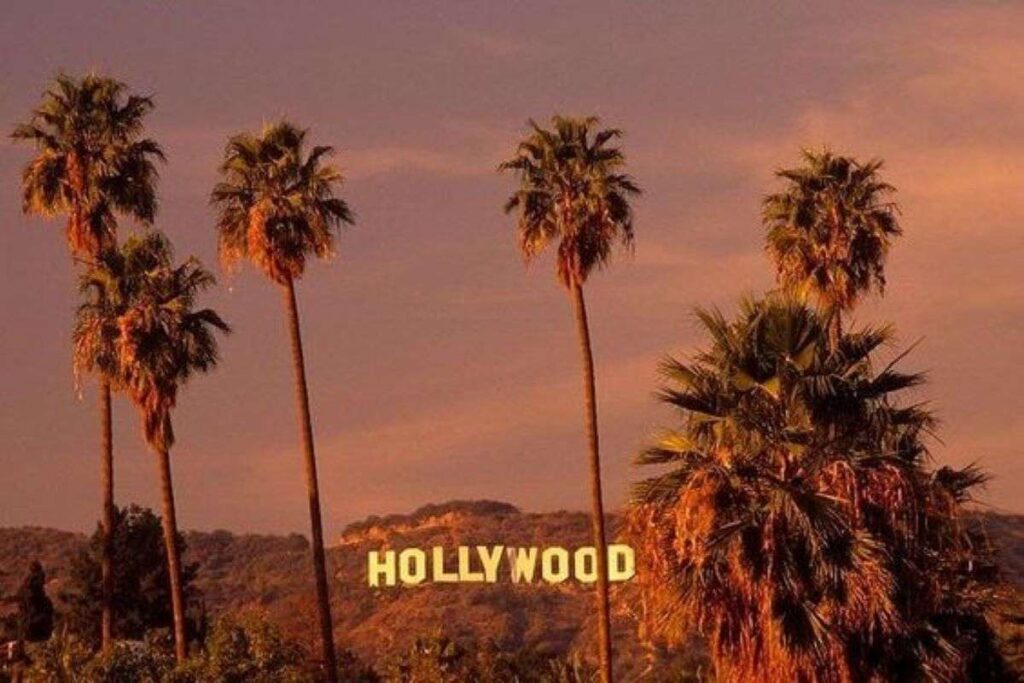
(524, 563)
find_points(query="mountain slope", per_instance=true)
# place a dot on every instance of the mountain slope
(272, 573)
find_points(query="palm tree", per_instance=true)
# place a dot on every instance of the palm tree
(572, 191)
(162, 341)
(277, 207)
(797, 524)
(829, 230)
(91, 164)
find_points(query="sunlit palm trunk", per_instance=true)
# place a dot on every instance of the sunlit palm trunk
(170, 524)
(312, 486)
(597, 500)
(107, 482)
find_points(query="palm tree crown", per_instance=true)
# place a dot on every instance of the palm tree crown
(797, 525)
(163, 340)
(573, 191)
(276, 204)
(830, 228)
(110, 286)
(92, 160)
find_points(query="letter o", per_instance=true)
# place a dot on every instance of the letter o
(412, 566)
(548, 570)
(583, 557)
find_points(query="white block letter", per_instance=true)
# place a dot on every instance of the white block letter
(524, 562)
(374, 568)
(552, 557)
(621, 563)
(412, 566)
(586, 565)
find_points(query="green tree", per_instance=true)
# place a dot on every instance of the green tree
(92, 163)
(142, 603)
(829, 231)
(277, 207)
(35, 609)
(573, 192)
(163, 342)
(798, 525)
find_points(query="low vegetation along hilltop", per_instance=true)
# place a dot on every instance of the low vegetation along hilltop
(245, 572)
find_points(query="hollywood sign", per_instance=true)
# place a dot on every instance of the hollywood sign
(484, 564)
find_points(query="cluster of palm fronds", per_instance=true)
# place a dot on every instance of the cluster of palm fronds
(93, 162)
(797, 523)
(276, 205)
(829, 230)
(572, 191)
(138, 325)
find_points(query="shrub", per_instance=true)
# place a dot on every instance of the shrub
(246, 648)
(61, 659)
(130, 662)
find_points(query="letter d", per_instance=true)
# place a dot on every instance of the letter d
(621, 563)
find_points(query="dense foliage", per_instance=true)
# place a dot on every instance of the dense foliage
(34, 617)
(799, 525)
(92, 161)
(573, 194)
(246, 648)
(829, 230)
(142, 601)
(276, 203)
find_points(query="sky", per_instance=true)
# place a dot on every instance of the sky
(440, 366)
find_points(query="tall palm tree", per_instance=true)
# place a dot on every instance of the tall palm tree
(277, 207)
(162, 342)
(797, 524)
(573, 191)
(92, 163)
(829, 230)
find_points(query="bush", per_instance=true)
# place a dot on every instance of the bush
(246, 648)
(130, 662)
(61, 659)
(437, 659)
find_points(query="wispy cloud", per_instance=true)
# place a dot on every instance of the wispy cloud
(499, 45)
(373, 161)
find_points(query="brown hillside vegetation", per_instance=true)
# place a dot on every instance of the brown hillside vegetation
(267, 572)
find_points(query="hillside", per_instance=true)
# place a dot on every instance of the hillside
(272, 573)
(243, 571)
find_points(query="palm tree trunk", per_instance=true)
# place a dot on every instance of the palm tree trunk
(170, 524)
(107, 483)
(312, 486)
(597, 500)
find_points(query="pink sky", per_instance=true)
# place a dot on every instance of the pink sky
(440, 367)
